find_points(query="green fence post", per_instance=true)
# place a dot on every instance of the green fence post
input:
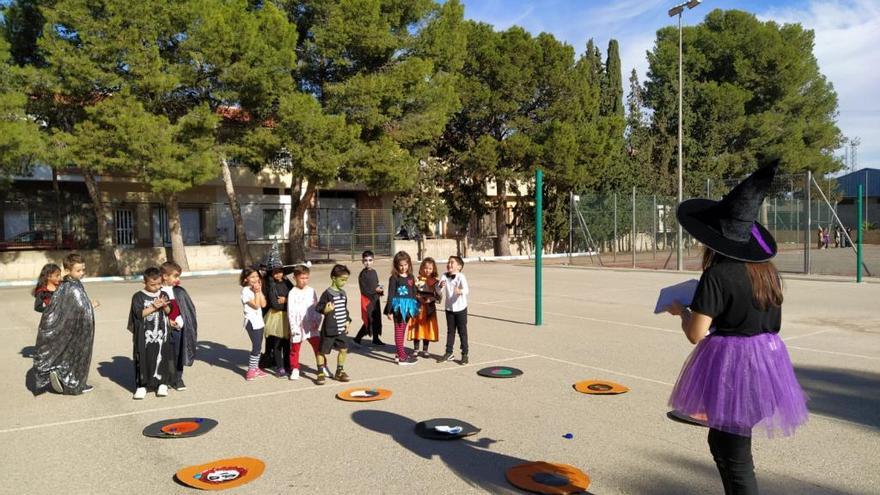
(859, 243)
(539, 244)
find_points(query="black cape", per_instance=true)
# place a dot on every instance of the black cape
(190, 324)
(153, 352)
(65, 338)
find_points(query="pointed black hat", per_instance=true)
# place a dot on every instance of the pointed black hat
(273, 259)
(730, 226)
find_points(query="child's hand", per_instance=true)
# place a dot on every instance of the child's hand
(329, 308)
(458, 291)
(96, 304)
(390, 317)
(173, 324)
(159, 303)
(442, 283)
(347, 326)
(282, 300)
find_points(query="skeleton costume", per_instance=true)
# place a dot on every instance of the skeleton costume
(154, 359)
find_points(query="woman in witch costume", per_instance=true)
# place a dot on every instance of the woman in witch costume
(740, 376)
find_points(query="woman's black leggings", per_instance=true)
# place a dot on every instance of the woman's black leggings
(733, 456)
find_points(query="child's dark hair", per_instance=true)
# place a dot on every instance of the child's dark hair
(433, 263)
(72, 259)
(401, 256)
(300, 270)
(245, 273)
(43, 280)
(458, 260)
(339, 270)
(367, 254)
(170, 267)
(152, 273)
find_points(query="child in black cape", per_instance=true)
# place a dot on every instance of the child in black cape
(153, 352)
(185, 334)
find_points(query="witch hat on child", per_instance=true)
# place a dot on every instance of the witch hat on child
(731, 226)
(273, 259)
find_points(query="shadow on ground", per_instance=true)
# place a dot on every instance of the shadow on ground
(475, 462)
(215, 354)
(843, 394)
(119, 371)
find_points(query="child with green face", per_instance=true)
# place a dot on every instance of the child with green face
(333, 304)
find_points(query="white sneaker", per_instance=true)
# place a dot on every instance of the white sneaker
(162, 391)
(294, 374)
(140, 393)
(406, 363)
(327, 372)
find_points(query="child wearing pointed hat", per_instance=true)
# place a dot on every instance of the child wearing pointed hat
(740, 376)
(277, 330)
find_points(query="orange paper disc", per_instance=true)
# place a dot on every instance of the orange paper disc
(181, 428)
(222, 474)
(363, 394)
(548, 477)
(600, 387)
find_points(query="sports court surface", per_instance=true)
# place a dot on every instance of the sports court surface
(597, 324)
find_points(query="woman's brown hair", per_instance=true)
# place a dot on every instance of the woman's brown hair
(401, 256)
(433, 263)
(763, 276)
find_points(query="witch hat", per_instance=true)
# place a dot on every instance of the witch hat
(731, 226)
(273, 260)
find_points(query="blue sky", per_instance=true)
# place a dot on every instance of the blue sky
(847, 41)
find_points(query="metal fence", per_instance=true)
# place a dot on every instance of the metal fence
(638, 229)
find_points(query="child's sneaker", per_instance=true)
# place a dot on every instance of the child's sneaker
(464, 359)
(294, 374)
(425, 354)
(261, 373)
(179, 385)
(322, 379)
(55, 382)
(251, 375)
(342, 376)
(140, 393)
(326, 371)
(406, 363)
(281, 372)
(446, 357)
(162, 391)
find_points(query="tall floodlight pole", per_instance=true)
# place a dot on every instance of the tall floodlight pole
(676, 11)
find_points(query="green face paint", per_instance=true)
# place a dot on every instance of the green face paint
(339, 282)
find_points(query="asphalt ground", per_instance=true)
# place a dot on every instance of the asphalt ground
(598, 324)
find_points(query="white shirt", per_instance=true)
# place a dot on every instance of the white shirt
(455, 302)
(252, 315)
(305, 322)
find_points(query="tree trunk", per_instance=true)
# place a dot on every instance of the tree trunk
(420, 246)
(299, 203)
(59, 231)
(502, 235)
(244, 257)
(104, 222)
(178, 250)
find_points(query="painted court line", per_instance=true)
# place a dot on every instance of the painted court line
(254, 396)
(795, 337)
(835, 353)
(600, 320)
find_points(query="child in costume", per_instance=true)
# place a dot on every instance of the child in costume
(153, 352)
(402, 305)
(371, 294)
(455, 289)
(424, 326)
(63, 353)
(182, 319)
(304, 321)
(740, 376)
(277, 326)
(333, 304)
(253, 301)
(47, 284)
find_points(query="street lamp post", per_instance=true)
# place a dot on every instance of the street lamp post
(676, 11)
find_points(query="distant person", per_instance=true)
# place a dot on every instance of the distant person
(819, 238)
(401, 306)
(455, 292)
(837, 237)
(253, 301)
(424, 326)
(739, 376)
(371, 301)
(47, 284)
(305, 322)
(333, 305)
(66, 335)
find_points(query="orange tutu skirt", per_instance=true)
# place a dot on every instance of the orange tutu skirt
(423, 326)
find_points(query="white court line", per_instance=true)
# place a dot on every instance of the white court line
(835, 353)
(795, 337)
(253, 396)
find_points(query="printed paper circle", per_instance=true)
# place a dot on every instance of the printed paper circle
(500, 372)
(547, 477)
(221, 474)
(445, 429)
(600, 387)
(363, 394)
(180, 428)
(696, 419)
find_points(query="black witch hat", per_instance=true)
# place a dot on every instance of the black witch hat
(730, 226)
(273, 259)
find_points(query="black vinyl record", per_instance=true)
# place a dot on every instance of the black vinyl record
(500, 372)
(180, 428)
(445, 429)
(684, 418)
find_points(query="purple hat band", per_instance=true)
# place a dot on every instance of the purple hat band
(757, 235)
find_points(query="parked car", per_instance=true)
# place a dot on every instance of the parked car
(37, 239)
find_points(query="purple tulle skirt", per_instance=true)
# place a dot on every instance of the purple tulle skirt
(741, 383)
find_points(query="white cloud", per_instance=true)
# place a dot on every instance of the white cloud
(847, 48)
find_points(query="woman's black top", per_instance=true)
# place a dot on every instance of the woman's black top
(725, 294)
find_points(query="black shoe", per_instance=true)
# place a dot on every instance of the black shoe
(357, 340)
(87, 389)
(378, 342)
(464, 359)
(180, 386)
(446, 357)
(322, 379)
